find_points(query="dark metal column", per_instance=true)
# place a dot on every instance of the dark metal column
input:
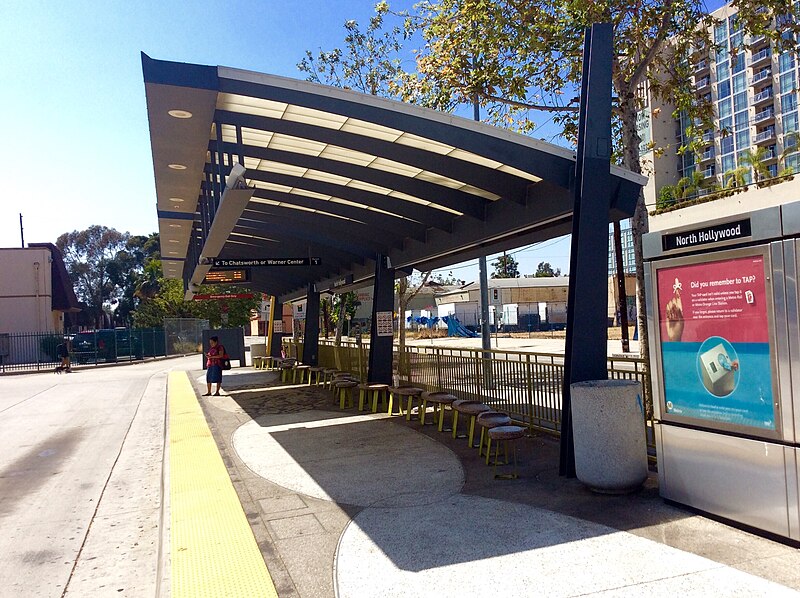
(277, 316)
(380, 342)
(311, 335)
(587, 327)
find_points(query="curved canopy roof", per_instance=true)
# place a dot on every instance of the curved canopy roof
(341, 176)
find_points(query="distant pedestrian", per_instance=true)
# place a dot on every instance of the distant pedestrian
(215, 355)
(62, 351)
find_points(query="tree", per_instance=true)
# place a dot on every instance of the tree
(370, 62)
(544, 269)
(754, 158)
(406, 288)
(343, 307)
(505, 267)
(515, 57)
(735, 178)
(666, 197)
(92, 258)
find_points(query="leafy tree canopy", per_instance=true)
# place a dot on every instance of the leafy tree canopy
(544, 269)
(505, 267)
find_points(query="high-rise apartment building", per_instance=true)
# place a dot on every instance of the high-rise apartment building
(753, 88)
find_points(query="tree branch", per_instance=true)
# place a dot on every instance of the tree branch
(659, 39)
(532, 106)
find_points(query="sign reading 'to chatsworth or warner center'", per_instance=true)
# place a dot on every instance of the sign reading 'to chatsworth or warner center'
(258, 262)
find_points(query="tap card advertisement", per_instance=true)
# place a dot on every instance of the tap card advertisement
(715, 343)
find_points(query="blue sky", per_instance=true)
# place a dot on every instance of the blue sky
(76, 148)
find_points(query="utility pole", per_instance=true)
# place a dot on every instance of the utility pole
(622, 303)
(21, 232)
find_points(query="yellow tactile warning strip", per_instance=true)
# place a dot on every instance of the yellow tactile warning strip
(213, 549)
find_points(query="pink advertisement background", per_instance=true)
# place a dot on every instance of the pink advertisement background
(746, 322)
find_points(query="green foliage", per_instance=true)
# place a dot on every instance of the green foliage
(545, 270)
(666, 197)
(754, 158)
(369, 62)
(94, 259)
(48, 345)
(505, 267)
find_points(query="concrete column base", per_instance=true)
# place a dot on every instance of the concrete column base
(608, 426)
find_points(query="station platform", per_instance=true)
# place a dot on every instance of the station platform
(275, 491)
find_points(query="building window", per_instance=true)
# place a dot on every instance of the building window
(773, 170)
(788, 102)
(790, 124)
(726, 124)
(724, 109)
(743, 139)
(793, 162)
(786, 62)
(739, 83)
(740, 101)
(720, 33)
(742, 121)
(726, 144)
(723, 89)
(737, 64)
(788, 82)
(728, 163)
(723, 71)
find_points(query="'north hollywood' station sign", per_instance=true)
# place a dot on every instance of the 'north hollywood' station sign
(272, 261)
(717, 233)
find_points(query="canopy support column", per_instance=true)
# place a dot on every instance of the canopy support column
(381, 339)
(311, 336)
(277, 316)
(587, 326)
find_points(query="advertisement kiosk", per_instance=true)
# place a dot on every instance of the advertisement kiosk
(722, 307)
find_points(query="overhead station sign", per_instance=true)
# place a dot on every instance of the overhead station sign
(227, 276)
(217, 262)
(221, 296)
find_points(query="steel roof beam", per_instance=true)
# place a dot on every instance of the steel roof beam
(461, 201)
(496, 181)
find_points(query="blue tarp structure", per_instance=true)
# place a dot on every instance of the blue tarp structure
(455, 328)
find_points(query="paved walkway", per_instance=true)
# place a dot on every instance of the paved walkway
(351, 504)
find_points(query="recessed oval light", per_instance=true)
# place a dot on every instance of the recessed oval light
(180, 113)
(174, 241)
(174, 225)
(177, 166)
(177, 199)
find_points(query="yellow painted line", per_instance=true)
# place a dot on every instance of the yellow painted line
(213, 549)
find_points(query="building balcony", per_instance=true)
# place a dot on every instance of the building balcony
(765, 135)
(760, 56)
(763, 96)
(772, 154)
(764, 115)
(701, 67)
(757, 40)
(708, 155)
(702, 83)
(708, 137)
(708, 172)
(761, 75)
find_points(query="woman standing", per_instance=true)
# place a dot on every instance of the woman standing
(215, 354)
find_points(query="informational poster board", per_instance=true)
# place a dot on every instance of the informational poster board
(277, 326)
(716, 357)
(384, 323)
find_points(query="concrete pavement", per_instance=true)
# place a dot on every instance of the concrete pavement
(341, 503)
(351, 504)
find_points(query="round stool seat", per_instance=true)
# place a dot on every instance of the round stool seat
(470, 407)
(506, 432)
(368, 386)
(406, 391)
(317, 368)
(345, 383)
(302, 367)
(330, 370)
(441, 398)
(493, 419)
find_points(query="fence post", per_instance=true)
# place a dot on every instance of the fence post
(439, 368)
(529, 380)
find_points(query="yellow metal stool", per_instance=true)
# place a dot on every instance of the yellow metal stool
(488, 420)
(504, 435)
(368, 394)
(344, 391)
(315, 375)
(433, 399)
(470, 408)
(410, 392)
(301, 370)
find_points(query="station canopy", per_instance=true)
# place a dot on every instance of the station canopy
(341, 176)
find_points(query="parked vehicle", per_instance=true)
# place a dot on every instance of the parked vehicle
(106, 345)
